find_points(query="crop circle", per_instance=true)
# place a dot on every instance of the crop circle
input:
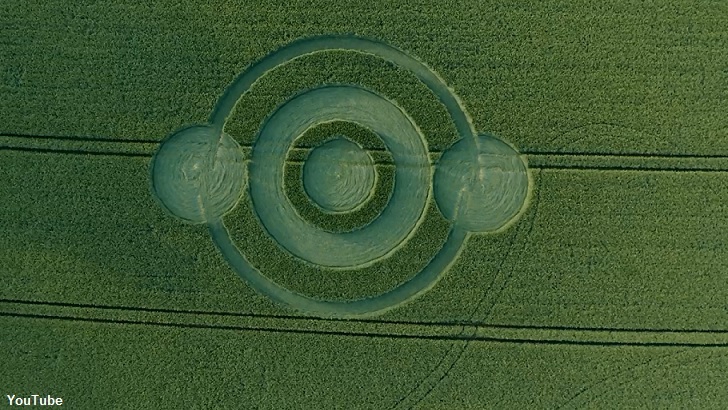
(338, 175)
(419, 283)
(294, 184)
(481, 185)
(411, 186)
(198, 174)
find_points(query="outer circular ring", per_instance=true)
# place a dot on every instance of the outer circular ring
(287, 53)
(419, 284)
(430, 274)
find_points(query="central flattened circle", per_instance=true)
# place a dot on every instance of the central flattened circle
(338, 175)
(412, 181)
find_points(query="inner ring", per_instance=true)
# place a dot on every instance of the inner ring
(412, 184)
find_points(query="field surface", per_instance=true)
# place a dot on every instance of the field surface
(341, 251)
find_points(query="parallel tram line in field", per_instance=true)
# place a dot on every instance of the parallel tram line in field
(627, 162)
(548, 160)
(468, 331)
(82, 145)
(298, 324)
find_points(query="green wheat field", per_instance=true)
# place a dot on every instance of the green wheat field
(364, 205)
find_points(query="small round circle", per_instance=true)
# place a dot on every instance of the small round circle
(198, 174)
(481, 184)
(338, 175)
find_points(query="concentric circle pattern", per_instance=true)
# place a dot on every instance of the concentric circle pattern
(300, 183)
(339, 175)
(480, 183)
(411, 187)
